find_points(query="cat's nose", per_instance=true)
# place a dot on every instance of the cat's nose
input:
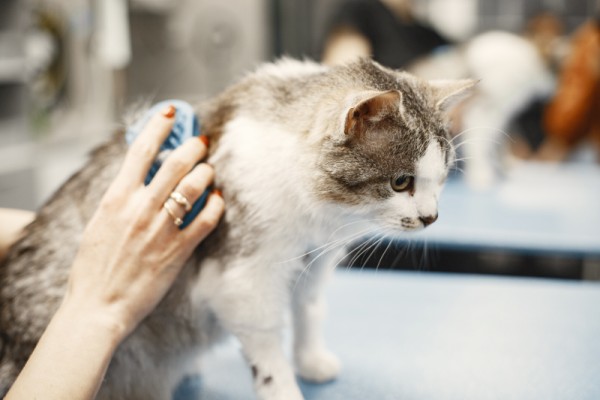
(428, 220)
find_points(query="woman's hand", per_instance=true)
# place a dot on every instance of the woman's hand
(132, 250)
(130, 255)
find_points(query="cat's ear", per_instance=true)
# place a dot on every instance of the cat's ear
(448, 93)
(372, 110)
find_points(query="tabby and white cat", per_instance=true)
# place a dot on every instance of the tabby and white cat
(299, 149)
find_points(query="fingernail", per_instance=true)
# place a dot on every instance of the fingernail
(218, 192)
(204, 139)
(169, 112)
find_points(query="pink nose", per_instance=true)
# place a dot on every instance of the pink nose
(428, 220)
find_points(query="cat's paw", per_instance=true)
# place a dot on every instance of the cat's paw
(317, 366)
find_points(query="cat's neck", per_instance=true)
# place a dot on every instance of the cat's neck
(266, 166)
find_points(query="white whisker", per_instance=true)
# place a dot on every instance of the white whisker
(480, 127)
(407, 244)
(374, 249)
(359, 250)
(383, 254)
(340, 244)
(353, 235)
(333, 245)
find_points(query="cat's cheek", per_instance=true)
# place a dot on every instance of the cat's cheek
(400, 213)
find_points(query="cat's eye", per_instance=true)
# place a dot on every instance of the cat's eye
(403, 183)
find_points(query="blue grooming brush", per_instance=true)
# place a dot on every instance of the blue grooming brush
(185, 126)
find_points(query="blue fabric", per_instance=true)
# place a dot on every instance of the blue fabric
(189, 388)
(444, 337)
(186, 126)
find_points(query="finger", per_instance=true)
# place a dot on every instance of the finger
(207, 220)
(189, 189)
(195, 183)
(177, 165)
(187, 239)
(181, 243)
(145, 147)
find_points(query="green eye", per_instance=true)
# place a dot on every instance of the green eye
(403, 183)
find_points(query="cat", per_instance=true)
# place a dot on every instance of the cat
(299, 150)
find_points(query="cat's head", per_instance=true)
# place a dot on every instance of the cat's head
(389, 153)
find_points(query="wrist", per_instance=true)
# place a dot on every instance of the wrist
(72, 356)
(82, 319)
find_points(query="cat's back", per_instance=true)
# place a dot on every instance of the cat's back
(268, 94)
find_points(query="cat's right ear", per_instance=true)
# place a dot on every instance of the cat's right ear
(449, 93)
(372, 110)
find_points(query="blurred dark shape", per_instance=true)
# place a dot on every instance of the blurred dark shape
(574, 113)
(390, 32)
(47, 58)
(528, 130)
(545, 31)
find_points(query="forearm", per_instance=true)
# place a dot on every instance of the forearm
(70, 359)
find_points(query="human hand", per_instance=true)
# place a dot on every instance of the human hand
(132, 251)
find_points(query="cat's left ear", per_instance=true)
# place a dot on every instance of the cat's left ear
(449, 93)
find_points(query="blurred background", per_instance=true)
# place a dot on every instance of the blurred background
(524, 198)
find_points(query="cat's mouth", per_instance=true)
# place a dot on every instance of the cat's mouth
(415, 224)
(411, 224)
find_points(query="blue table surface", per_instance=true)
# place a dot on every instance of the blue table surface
(423, 336)
(536, 207)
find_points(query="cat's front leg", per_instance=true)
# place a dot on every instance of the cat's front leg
(313, 361)
(251, 305)
(272, 373)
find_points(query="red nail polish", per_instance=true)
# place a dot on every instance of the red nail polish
(204, 139)
(169, 112)
(218, 192)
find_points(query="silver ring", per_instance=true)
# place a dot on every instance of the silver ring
(176, 220)
(181, 200)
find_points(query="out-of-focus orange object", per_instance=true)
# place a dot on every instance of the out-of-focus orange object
(574, 112)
